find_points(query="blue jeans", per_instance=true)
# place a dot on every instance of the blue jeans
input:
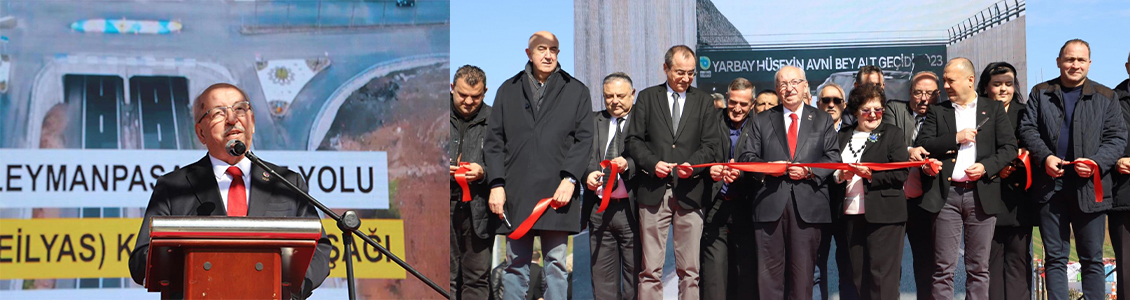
(516, 279)
(1058, 217)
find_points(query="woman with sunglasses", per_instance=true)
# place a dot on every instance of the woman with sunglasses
(1010, 262)
(871, 203)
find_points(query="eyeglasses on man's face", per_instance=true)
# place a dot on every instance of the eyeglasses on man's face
(221, 113)
(791, 83)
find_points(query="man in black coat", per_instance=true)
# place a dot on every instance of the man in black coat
(223, 185)
(1073, 119)
(614, 233)
(538, 147)
(727, 235)
(471, 233)
(673, 124)
(793, 208)
(1119, 214)
(973, 140)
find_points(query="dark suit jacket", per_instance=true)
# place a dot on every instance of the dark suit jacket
(996, 147)
(883, 199)
(650, 140)
(742, 190)
(816, 143)
(193, 191)
(602, 119)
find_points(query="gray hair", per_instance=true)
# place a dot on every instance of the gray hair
(617, 76)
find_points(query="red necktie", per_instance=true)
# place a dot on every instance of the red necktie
(792, 135)
(237, 193)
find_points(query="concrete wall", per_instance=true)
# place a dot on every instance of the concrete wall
(628, 36)
(1005, 42)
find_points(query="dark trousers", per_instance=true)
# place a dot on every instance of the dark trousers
(786, 252)
(1010, 263)
(843, 263)
(1120, 238)
(728, 262)
(470, 256)
(920, 235)
(1059, 218)
(714, 260)
(615, 247)
(743, 262)
(876, 256)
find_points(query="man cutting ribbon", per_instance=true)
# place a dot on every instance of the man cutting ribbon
(1074, 130)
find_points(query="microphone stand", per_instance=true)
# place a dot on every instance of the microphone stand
(349, 223)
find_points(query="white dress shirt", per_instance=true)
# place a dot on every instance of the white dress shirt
(853, 200)
(966, 117)
(220, 168)
(620, 192)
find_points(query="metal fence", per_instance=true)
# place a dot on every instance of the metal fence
(996, 14)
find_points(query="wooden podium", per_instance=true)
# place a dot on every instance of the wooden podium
(230, 257)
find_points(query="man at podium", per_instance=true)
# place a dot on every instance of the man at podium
(223, 185)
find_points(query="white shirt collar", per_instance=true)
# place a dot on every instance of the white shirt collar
(971, 104)
(798, 112)
(220, 168)
(682, 95)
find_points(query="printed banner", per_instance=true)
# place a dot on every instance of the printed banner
(100, 248)
(125, 178)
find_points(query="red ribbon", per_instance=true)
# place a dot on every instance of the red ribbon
(778, 168)
(608, 186)
(461, 178)
(539, 209)
(1023, 157)
(1095, 176)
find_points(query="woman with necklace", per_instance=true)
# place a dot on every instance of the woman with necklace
(872, 204)
(1010, 261)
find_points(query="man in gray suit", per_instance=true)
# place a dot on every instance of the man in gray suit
(920, 223)
(793, 208)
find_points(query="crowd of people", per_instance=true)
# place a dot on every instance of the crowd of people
(993, 164)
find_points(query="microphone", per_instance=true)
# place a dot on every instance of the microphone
(236, 147)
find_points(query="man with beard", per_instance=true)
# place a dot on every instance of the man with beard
(919, 225)
(471, 231)
(538, 147)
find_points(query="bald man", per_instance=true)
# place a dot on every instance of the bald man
(538, 146)
(1073, 119)
(793, 208)
(974, 140)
